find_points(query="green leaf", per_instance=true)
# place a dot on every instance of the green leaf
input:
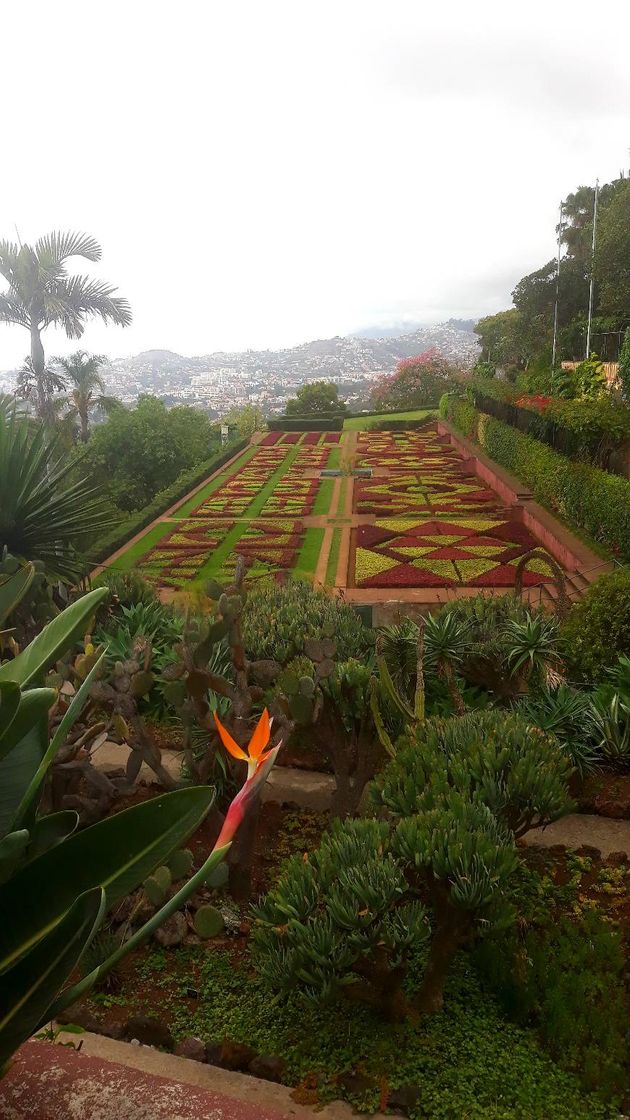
(13, 588)
(31, 985)
(217, 855)
(54, 640)
(9, 704)
(74, 710)
(117, 853)
(12, 849)
(51, 830)
(32, 704)
(20, 764)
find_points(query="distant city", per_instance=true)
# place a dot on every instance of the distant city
(268, 378)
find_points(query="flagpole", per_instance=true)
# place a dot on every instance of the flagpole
(555, 310)
(592, 280)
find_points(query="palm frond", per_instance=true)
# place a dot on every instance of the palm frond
(55, 248)
(12, 310)
(42, 516)
(76, 298)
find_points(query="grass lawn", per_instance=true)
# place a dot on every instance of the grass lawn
(323, 497)
(309, 553)
(363, 423)
(333, 558)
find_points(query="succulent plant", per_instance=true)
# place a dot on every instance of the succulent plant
(208, 922)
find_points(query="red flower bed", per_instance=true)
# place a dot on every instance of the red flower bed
(534, 400)
(270, 439)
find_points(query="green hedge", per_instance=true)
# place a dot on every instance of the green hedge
(591, 430)
(588, 498)
(323, 423)
(184, 482)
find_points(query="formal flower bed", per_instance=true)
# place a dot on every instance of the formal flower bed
(433, 552)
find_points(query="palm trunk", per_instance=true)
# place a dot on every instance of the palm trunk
(39, 364)
(85, 431)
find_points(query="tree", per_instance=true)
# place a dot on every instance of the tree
(317, 399)
(416, 382)
(246, 418)
(44, 516)
(87, 387)
(140, 451)
(42, 294)
(40, 390)
(502, 339)
(612, 258)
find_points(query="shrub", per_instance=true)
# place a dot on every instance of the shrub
(278, 620)
(565, 977)
(597, 631)
(457, 794)
(589, 429)
(595, 502)
(126, 589)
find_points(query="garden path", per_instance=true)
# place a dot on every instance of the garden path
(579, 830)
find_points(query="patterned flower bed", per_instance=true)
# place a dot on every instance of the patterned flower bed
(431, 491)
(435, 552)
(402, 450)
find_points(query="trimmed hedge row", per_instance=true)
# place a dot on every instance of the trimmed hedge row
(184, 482)
(323, 423)
(585, 496)
(582, 429)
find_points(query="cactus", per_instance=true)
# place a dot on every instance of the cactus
(218, 877)
(208, 922)
(155, 892)
(180, 864)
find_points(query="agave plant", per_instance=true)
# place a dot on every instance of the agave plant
(532, 645)
(565, 713)
(43, 515)
(445, 643)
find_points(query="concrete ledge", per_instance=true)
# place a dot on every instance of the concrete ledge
(310, 789)
(108, 1080)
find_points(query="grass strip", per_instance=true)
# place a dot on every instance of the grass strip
(306, 564)
(333, 558)
(220, 554)
(155, 533)
(323, 498)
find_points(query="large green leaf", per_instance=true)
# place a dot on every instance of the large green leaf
(31, 706)
(13, 588)
(51, 830)
(53, 641)
(9, 704)
(12, 849)
(117, 853)
(140, 936)
(31, 794)
(20, 764)
(29, 988)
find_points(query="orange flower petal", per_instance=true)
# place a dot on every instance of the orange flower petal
(228, 742)
(260, 738)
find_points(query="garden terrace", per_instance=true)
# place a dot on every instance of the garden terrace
(435, 519)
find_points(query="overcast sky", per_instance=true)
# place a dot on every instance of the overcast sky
(262, 173)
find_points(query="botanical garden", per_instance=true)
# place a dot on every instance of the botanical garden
(422, 611)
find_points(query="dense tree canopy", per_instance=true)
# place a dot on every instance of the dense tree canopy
(523, 335)
(415, 383)
(316, 399)
(246, 418)
(140, 451)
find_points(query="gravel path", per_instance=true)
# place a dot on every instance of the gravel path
(580, 829)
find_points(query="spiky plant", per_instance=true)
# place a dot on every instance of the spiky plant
(445, 645)
(532, 646)
(44, 516)
(565, 713)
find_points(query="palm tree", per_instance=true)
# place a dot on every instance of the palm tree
(81, 375)
(42, 294)
(40, 390)
(43, 515)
